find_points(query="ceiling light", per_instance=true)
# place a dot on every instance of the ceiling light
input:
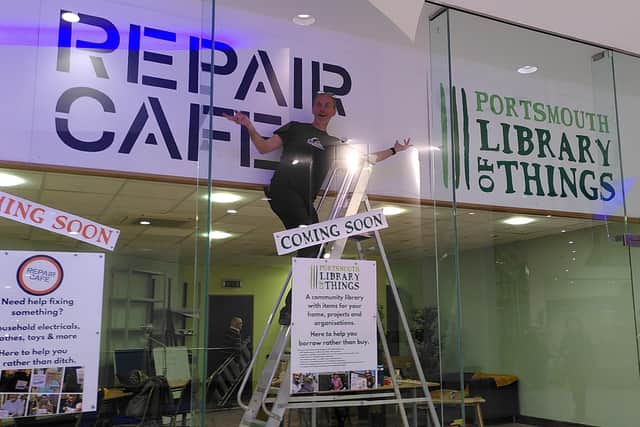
(8, 180)
(223, 197)
(144, 222)
(527, 69)
(471, 213)
(70, 17)
(563, 231)
(518, 220)
(571, 242)
(303, 19)
(392, 210)
(219, 235)
(326, 256)
(232, 211)
(295, 162)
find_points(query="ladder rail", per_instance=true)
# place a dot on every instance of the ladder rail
(349, 197)
(261, 342)
(404, 322)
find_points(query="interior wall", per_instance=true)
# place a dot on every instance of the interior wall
(567, 335)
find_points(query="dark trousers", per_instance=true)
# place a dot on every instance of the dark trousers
(294, 209)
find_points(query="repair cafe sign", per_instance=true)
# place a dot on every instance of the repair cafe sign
(328, 231)
(46, 218)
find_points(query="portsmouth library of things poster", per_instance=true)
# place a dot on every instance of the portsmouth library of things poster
(48, 344)
(333, 328)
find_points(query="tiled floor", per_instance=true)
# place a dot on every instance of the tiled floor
(231, 418)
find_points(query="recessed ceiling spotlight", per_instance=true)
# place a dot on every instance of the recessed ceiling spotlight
(571, 242)
(527, 69)
(232, 211)
(518, 220)
(303, 19)
(392, 210)
(471, 213)
(144, 222)
(224, 197)
(563, 231)
(219, 235)
(326, 256)
(70, 17)
(295, 162)
(8, 180)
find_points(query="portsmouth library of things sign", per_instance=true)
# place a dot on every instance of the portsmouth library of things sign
(131, 94)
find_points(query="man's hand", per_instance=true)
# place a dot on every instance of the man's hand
(263, 145)
(239, 119)
(398, 146)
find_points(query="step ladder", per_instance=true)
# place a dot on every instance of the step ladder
(351, 173)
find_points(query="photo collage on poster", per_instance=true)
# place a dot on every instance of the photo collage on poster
(333, 381)
(41, 391)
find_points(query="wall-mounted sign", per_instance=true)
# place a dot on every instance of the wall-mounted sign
(59, 222)
(49, 347)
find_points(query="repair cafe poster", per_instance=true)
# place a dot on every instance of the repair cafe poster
(50, 316)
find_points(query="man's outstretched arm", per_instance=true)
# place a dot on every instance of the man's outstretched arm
(397, 147)
(264, 145)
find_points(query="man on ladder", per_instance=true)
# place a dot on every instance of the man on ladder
(307, 153)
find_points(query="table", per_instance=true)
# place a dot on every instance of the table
(351, 397)
(474, 401)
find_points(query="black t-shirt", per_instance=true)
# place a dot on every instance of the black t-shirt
(307, 155)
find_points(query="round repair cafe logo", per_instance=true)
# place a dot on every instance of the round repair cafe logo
(40, 275)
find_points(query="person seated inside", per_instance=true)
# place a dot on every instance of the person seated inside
(14, 405)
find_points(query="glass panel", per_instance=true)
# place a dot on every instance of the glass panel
(444, 170)
(108, 128)
(543, 280)
(274, 68)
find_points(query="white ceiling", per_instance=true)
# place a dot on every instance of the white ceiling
(119, 202)
(612, 24)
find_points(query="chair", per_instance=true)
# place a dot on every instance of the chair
(182, 406)
(137, 412)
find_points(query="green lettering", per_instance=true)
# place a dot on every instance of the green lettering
(591, 116)
(607, 186)
(484, 138)
(511, 102)
(499, 108)
(508, 164)
(569, 181)
(544, 136)
(525, 104)
(603, 121)
(524, 135)
(565, 148)
(604, 151)
(583, 147)
(481, 98)
(567, 119)
(550, 178)
(538, 112)
(505, 138)
(535, 178)
(593, 194)
(553, 114)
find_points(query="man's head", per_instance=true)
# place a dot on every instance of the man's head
(323, 109)
(236, 322)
